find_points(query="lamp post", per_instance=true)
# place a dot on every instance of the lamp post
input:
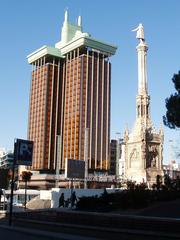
(58, 159)
(86, 144)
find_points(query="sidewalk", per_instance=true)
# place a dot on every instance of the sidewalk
(169, 209)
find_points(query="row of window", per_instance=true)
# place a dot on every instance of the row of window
(37, 113)
(43, 73)
(38, 102)
(41, 83)
(34, 127)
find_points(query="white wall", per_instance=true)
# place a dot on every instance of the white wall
(45, 194)
(56, 192)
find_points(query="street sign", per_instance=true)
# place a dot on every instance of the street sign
(74, 168)
(23, 152)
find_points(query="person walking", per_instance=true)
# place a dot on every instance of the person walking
(73, 199)
(61, 200)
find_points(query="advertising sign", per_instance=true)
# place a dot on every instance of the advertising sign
(74, 168)
(23, 152)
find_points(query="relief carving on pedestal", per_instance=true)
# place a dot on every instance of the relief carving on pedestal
(134, 158)
(152, 156)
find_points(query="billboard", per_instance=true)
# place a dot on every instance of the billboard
(23, 152)
(74, 168)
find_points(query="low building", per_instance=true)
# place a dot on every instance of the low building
(6, 160)
(121, 175)
(117, 159)
(2, 152)
(172, 170)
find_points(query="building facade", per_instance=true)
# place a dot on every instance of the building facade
(113, 156)
(6, 160)
(70, 91)
(2, 152)
(117, 160)
(144, 145)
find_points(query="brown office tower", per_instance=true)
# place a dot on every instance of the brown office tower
(70, 91)
(45, 109)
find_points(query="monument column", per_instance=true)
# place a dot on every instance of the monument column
(142, 68)
(142, 99)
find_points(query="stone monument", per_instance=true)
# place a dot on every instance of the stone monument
(144, 145)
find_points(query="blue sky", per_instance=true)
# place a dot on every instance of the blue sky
(28, 25)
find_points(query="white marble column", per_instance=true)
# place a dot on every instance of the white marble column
(142, 68)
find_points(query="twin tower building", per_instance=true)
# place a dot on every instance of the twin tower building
(71, 92)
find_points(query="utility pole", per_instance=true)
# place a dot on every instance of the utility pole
(58, 158)
(86, 144)
(12, 184)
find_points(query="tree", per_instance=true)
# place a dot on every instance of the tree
(4, 178)
(167, 181)
(26, 177)
(172, 117)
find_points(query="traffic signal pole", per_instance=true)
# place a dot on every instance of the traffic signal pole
(12, 187)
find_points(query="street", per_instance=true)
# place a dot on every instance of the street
(10, 233)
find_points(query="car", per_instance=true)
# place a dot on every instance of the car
(17, 204)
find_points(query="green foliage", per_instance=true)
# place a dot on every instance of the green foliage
(167, 181)
(136, 196)
(172, 117)
(158, 182)
(176, 81)
(130, 185)
(93, 203)
(178, 183)
(167, 195)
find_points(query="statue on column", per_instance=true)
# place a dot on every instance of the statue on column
(139, 33)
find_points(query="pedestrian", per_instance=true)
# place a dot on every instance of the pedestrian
(73, 199)
(67, 202)
(61, 200)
